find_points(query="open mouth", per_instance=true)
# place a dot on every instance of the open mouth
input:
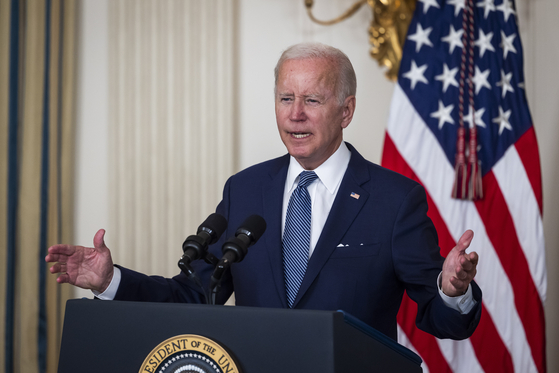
(300, 135)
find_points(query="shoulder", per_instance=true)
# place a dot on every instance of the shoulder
(261, 170)
(371, 175)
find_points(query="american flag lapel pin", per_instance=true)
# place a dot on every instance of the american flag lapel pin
(354, 195)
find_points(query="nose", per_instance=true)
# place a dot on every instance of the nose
(297, 113)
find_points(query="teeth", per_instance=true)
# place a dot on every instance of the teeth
(300, 135)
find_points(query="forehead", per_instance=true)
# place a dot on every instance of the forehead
(307, 74)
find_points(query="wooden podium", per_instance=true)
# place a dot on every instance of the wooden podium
(113, 336)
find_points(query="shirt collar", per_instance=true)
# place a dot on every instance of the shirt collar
(330, 173)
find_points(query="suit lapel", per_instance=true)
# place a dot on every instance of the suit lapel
(272, 200)
(344, 211)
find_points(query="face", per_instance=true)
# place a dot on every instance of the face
(309, 117)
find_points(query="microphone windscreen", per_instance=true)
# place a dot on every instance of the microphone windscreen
(253, 226)
(215, 225)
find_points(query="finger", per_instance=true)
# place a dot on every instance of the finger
(99, 239)
(63, 278)
(458, 284)
(466, 271)
(473, 257)
(465, 240)
(52, 258)
(58, 268)
(61, 249)
(466, 264)
(461, 274)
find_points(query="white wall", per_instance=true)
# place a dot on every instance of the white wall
(265, 28)
(538, 21)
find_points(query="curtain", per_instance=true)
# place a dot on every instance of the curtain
(171, 124)
(36, 139)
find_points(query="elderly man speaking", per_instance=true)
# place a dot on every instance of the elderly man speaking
(342, 232)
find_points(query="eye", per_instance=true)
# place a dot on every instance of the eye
(286, 99)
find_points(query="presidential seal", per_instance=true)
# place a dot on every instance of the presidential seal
(189, 353)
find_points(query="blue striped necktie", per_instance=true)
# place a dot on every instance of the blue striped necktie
(297, 236)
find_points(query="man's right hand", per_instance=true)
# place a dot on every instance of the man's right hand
(85, 267)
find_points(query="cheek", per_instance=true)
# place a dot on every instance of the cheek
(281, 117)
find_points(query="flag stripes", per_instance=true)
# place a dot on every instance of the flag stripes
(486, 338)
(460, 355)
(512, 180)
(424, 344)
(525, 147)
(511, 272)
(497, 219)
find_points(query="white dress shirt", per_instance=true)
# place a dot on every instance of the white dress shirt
(322, 191)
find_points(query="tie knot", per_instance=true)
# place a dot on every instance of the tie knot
(306, 178)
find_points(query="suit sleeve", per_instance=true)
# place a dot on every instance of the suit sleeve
(418, 262)
(135, 286)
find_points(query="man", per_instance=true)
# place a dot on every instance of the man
(360, 233)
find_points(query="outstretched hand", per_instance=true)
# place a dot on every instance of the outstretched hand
(85, 267)
(459, 267)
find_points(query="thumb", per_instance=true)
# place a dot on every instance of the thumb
(99, 239)
(465, 240)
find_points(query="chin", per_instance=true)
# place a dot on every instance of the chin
(299, 154)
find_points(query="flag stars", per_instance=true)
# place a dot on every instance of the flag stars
(507, 9)
(454, 38)
(484, 42)
(421, 37)
(505, 83)
(488, 5)
(478, 118)
(429, 3)
(443, 114)
(448, 77)
(458, 5)
(480, 79)
(507, 44)
(503, 120)
(416, 74)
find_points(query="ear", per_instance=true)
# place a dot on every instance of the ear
(348, 108)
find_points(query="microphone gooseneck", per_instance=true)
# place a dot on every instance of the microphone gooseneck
(196, 246)
(235, 248)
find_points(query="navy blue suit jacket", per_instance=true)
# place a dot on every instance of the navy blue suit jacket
(371, 250)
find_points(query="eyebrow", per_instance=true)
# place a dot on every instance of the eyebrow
(310, 95)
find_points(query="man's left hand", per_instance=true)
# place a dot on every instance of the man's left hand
(459, 268)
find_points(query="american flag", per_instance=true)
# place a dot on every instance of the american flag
(432, 98)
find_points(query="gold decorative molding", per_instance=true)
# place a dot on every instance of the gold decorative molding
(387, 32)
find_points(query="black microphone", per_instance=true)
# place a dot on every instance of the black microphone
(235, 248)
(195, 246)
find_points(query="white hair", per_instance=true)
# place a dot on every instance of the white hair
(346, 75)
